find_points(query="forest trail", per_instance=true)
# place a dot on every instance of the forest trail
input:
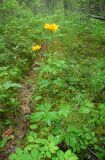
(26, 107)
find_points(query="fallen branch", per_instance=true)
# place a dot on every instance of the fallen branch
(92, 152)
(98, 17)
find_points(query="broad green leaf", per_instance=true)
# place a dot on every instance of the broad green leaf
(33, 126)
(88, 136)
(73, 158)
(19, 151)
(67, 139)
(29, 147)
(60, 155)
(50, 116)
(30, 138)
(51, 138)
(73, 141)
(36, 116)
(12, 157)
(24, 157)
(35, 154)
(85, 110)
(67, 154)
(42, 141)
(53, 148)
(44, 148)
(70, 156)
(48, 154)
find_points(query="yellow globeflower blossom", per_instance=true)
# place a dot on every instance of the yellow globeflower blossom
(51, 27)
(36, 47)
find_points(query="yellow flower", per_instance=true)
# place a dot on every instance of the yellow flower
(51, 27)
(36, 48)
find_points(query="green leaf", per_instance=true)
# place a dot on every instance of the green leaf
(33, 126)
(53, 148)
(51, 138)
(48, 154)
(45, 107)
(29, 147)
(37, 98)
(44, 83)
(4, 141)
(55, 158)
(67, 154)
(59, 138)
(86, 107)
(10, 84)
(12, 157)
(30, 138)
(36, 116)
(24, 157)
(42, 141)
(67, 140)
(35, 154)
(73, 158)
(64, 110)
(2, 110)
(41, 156)
(19, 151)
(70, 156)
(88, 136)
(50, 116)
(73, 142)
(60, 155)
(85, 110)
(44, 149)
(54, 140)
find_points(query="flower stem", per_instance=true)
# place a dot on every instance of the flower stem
(52, 36)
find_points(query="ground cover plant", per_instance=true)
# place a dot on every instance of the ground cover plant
(52, 81)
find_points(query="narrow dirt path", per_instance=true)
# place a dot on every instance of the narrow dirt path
(26, 107)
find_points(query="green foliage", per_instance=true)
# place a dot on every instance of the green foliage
(45, 114)
(79, 139)
(74, 85)
(42, 149)
(8, 91)
(69, 114)
(16, 38)
(3, 142)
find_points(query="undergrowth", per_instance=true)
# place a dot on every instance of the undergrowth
(68, 122)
